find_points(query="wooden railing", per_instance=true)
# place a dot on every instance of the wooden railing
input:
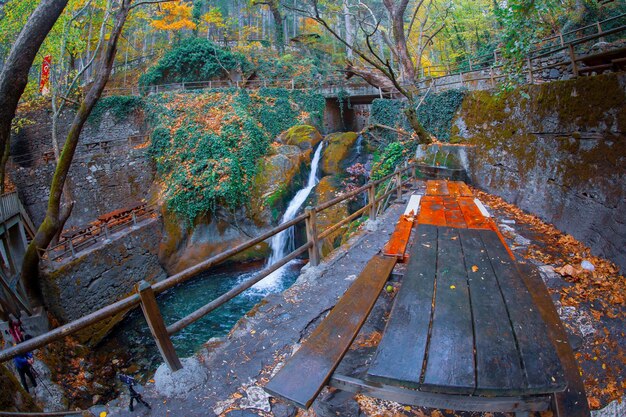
(145, 294)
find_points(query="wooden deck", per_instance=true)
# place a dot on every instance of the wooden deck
(464, 331)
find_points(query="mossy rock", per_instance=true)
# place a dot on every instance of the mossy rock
(327, 189)
(338, 147)
(303, 136)
(13, 397)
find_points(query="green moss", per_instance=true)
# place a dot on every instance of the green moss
(338, 147)
(303, 136)
(13, 397)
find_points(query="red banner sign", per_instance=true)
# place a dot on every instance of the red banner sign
(44, 84)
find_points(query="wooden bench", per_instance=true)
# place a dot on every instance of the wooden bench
(464, 332)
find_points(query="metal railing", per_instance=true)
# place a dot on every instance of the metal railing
(145, 294)
(9, 206)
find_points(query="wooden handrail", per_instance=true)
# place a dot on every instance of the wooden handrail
(134, 299)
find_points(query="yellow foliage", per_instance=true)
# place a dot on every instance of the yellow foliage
(214, 18)
(174, 16)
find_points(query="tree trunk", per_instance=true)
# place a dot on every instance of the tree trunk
(53, 220)
(396, 13)
(279, 31)
(411, 114)
(348, 26)
(14, 75)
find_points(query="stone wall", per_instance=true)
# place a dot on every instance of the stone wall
(103, 274)
(111, 169)
(557, 150)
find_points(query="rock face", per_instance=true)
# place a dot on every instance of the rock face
(12, 396)
(303, 136)
(326, 190)
(559, 151)
(103, 274)
(278, 177)
(111, 169)
(338, 148)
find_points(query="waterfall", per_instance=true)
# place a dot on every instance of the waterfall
(284, 242)
(359, 145)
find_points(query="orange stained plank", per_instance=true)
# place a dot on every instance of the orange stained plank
(436, 187)
(432, 211)
(396, 246)
(472, 215)
(464, 190)
(453, 188)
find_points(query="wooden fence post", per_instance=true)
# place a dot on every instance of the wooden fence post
(371, 200)
(157, 327)
(414, 177)
(311, 235)
(530, 70)
(572, 57)
(493, 81)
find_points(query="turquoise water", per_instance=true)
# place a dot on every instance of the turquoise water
(132, 337)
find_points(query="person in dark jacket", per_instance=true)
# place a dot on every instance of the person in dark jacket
(23, 364)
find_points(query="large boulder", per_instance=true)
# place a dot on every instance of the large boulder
(303, 136)
(277, 177)
(326, 190)
(338, 148)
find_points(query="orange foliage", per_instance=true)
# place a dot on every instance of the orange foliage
(174, 16)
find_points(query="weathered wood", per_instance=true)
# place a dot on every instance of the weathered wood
(397, 243)
(440, 401)
(157, 327)
(498, 367)
(414, 205)
(398, 186)
(572, 402)
(431, 211)
(472, 215)
(450, 364)
(400, 355)
(309, 369)
(453, 214)
(311, 235)
(371, 200)
(437, 187)
(542, 367)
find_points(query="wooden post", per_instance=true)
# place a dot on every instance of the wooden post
(292, 84)
(371, 200)
(398, 185)
(469, 60)
(572, 57)
(530, 70)
(157, 327)
(311, 235)
(134, 218)
(561, 38)
(461, 77)
(73, 252)
(414, 177)
(495, 56)
(493, 81)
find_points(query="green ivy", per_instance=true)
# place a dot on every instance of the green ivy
(392, 155)
(194, 59)
(435, 114)
(118, 106)
(205, 168)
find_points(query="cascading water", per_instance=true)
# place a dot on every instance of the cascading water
(284, 242)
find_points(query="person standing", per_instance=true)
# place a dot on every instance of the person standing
(23, 363)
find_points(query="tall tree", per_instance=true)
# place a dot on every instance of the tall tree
(53, 219)
(14, 75)
(279, 31)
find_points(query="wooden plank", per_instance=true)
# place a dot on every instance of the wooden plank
(472, 215)
(542, 367)
(453, 188)
(396, 245)
(437, 187)
(450, 359)
(441, 401)
(400, 355)
(309, 369)
(498, 364)
(412, 208)
(431, 211)
(573, 401)
(453, 214)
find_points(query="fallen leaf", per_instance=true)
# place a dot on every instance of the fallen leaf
(474, 268)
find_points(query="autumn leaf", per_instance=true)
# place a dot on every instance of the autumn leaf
(474, 268)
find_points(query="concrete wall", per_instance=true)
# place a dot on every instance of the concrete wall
(103, 274)
(109, 171)
(557, 150)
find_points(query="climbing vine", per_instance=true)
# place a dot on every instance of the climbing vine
(435, 113)
(120, 107)
(207, 145)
